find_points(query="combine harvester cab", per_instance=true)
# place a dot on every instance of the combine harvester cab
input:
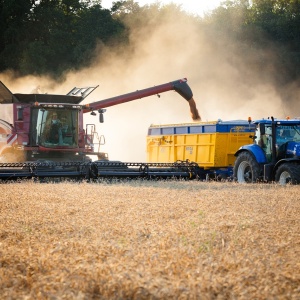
(38, 127)
(211, 145)
(275, 154)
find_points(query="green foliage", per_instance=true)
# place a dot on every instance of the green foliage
(52, 36)
(259, 27)
(280, 20)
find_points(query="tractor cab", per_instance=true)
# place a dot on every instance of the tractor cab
(286, 137)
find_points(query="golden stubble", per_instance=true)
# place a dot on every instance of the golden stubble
(149, 240)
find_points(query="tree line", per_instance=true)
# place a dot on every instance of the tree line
(52, 36)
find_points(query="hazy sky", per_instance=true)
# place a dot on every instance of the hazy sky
(191, 6)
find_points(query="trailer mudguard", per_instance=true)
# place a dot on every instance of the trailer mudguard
(256, 151)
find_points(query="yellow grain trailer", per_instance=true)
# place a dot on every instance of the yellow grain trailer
(211, 145)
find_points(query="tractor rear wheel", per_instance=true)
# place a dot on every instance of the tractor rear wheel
(246, 169)
(288, 173)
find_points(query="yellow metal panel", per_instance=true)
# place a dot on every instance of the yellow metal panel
(206, 149)
(235, 141)
(220, 157)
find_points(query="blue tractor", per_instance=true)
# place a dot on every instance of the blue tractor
(274, 156)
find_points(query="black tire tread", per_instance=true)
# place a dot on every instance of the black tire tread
(292, 168)
(255, 168)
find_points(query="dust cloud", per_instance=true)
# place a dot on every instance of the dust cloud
(224, 84)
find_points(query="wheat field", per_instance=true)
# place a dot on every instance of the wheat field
(149, 240)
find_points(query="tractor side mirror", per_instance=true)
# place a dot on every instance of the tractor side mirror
(101, 117)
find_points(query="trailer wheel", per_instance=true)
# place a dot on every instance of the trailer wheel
(288, 173)
(246, 169)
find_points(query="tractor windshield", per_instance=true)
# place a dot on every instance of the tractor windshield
(285, 133)
(54, 127)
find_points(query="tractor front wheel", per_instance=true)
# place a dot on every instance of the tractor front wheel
(288, 173)
(246, 169)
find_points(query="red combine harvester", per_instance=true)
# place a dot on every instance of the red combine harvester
(43, 135)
